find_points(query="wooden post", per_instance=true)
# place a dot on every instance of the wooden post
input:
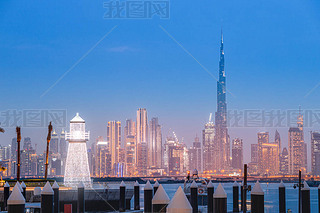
(47, 154)
(18, 130)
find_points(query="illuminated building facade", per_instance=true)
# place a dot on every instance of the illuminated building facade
(315, 153)
(208, 144)
(195, 154)
(222, 140)
(142, 142)
(176, 160)
(154, 144)
(297, 148)
(237, 153)
(77, 165)
(284, 162)
(130, 148)
(102, 158)
(114, 142)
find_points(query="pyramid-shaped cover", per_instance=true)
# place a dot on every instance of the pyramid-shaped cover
(77, 119)
(23, 185)
(257, 189)
(148, 186)
(55, 185)
(47, 190)
(7, 185)
(220, 193)
(161, 196)
(305, 186)
(179, 203)
(16, 197)
(19, 186)
(156, 184)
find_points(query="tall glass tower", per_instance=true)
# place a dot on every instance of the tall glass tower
(77, 166)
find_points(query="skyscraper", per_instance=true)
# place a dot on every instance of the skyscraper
(296, 145)
(26, 157)
(130, 146)
(222, 138)
(284, 162)
(155, 144)
(102, 158)
(315, 153)
(263, 138)
(114, 142)
(237, 153)
(142, 142)
(195, 155)
(54, 143)
(208, 143)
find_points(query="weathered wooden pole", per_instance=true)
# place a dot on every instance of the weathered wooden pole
(210, 191)
(18, 130)
(47, 153)
(282, 198)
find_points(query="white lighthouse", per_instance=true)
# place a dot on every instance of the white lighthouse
(77, 166)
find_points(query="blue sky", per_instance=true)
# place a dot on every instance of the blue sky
(272, 53)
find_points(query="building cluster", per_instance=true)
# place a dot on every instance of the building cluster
(33, 164)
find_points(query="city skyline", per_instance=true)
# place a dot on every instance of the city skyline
(276, 71)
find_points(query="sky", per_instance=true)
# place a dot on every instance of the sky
(68, 55)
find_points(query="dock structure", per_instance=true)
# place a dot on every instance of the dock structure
(16, 201)
(257, 199)
(160, 200)
(220, 200)
(179, 203)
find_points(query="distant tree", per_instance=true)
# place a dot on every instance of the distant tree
(1, 129)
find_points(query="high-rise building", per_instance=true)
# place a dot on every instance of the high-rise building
(142, 142)
(176, 160)
(155, 144)
(268, 155)
(277, 140)
(296, 146)
(63, 150)
(40, 164)
(222, 140)
(130, 146)
(208, 144)
(26, 155)
(195, 155)
(254, 153)
(77, 165)
(54, 143)
(102, 158)
(14, 145)
(237, 153)
(315, 153)
(114, 142)
(284, 162)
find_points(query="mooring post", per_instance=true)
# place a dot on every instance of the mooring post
(179, 203)
(220, 200)
(16, 201)
(235, 197)
(155, 187)
(245, 188)
(194, 197)
(56, 204)
(47, 199)
(136, 192)
(6, 192)
(160, 200)
(24, 189)
(81, 201)
(305, 194)
(210, 191)
(257, 199)
(122, 201)
(148, 197)
(282, 198)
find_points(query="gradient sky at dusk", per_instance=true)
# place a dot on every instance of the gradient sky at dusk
(272, 53)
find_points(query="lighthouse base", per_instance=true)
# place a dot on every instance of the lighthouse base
(77, 166)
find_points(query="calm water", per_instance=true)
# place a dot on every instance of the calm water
(271, 195)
